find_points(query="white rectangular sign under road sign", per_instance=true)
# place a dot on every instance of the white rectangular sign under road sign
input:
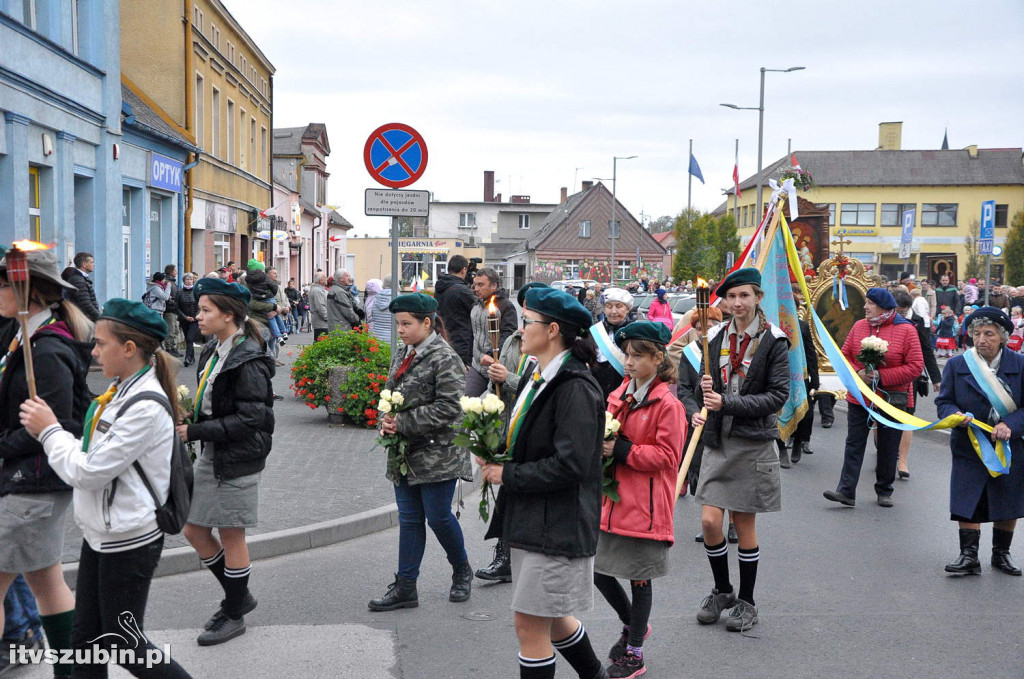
(397, 203)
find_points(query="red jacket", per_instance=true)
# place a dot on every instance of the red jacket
(647, 453)
(903, 361)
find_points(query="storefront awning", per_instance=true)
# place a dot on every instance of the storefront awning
(424, 250)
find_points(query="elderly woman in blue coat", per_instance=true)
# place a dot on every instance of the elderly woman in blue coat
(988, 382)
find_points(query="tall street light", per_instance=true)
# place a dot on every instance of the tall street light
(760, 128)
(614, 227)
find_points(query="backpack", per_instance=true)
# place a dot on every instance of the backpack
(172, 515)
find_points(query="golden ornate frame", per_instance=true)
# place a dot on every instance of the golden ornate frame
(832, 315)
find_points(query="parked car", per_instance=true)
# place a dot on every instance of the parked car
(681, 305)
(672, 300)
(576, 283)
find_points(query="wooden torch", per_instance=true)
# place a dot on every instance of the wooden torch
(494, 331)
(20, 282)
(701, 311)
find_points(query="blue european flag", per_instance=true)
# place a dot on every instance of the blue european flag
(695, 169)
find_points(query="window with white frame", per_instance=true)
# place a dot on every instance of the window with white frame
(831, 214)
(215, 122)
(221, 250)
(584, 228)
(215, 37)
(524, 221)
(622, 270)
(231, 158)
(571, 270)
(857, 214)
(200, 112)
(613, 228)
(467, 220)
(243, 142)
(252, 145)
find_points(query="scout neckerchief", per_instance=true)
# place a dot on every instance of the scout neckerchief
(96, 408)
(201, 389)
(16, 342)
(518, 416)
(404, 365)
(736, 356)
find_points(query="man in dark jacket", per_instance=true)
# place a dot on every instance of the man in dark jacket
(171, 312)
(78, 275)
(485, 285)
(931, 366)
(454, 304)
(948, 295)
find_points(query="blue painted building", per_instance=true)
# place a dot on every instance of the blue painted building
(60, 99)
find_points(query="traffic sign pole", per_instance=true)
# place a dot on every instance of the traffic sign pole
(987, 239)
(394, 280)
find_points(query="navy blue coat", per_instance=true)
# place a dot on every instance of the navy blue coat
(969, 477)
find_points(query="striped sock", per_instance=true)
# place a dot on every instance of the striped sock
(236, 586)
(577, 650)
(748, 573)
(718, 556)
(216, 566)
(537, 668)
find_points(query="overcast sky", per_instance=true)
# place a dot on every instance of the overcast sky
(534, 89)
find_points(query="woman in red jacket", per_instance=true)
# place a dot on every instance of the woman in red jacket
(893, 380)
(637, 530)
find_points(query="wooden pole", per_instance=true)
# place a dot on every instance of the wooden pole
(688, 458)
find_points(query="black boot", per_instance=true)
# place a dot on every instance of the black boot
(1001, 540)
(967, 563)
(500, 569)
(797, 451)
(462, 583)
(401, 594)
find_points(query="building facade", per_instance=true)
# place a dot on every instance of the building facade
(202, 73)
(371, 257)
(60, 140)
(866, 193)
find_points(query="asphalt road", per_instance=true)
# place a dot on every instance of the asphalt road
(842, 592)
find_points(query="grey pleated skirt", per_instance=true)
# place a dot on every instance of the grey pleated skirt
(741, 475)
(32, 530)
(229, 503)
(550, 586)
(629, 558)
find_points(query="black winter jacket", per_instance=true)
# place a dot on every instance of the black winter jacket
(550, 497)
(187, 304)
(84, 296)
(763, 393)
(454, 303)
(241, 429)
(608, 377)
(62, 364)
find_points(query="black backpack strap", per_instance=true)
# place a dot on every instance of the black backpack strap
(162, 400)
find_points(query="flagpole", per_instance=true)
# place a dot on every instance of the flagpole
(735, 189)
(689, 181)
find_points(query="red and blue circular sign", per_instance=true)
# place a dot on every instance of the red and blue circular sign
(395, 155)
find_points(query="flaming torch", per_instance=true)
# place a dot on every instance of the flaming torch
(703, 304)
(494, 330)
(18, 277)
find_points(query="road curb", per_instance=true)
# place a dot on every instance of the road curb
(288, 541)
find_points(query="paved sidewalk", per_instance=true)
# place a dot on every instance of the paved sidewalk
(316, 472)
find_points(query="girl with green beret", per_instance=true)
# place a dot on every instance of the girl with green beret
(549, 504)
(234, 420)
(125, 437)
(430, 376)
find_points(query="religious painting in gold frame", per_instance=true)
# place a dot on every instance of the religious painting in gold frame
(837, 320)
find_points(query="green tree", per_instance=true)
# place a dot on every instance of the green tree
(701, 243)
(662, 224)
(727, 240)
(1013, 251)
(975, 262)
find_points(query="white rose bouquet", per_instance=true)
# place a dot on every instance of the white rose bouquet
(482, 426)
(872, 352)
(609, 484)
(395, 444)
(188, 408)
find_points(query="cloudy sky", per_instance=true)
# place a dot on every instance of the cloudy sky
(546, 92)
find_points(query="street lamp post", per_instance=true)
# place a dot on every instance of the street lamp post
(614, 227)
(760, 129)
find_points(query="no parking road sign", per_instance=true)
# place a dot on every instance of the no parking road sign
(395, 155)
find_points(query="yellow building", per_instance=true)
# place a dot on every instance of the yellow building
(867, 192)
(371, 257)
(199, 69)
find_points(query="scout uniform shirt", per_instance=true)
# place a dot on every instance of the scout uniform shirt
(733, 379)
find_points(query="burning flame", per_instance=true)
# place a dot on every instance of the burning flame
(701, 283)
(30, 245)
(492, 308)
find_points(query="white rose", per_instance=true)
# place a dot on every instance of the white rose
(182, 392)
(492, 404)
(385, 395)
(397, 398)
(384, 406)
(464, 403)
(475, 405)
(615, 426)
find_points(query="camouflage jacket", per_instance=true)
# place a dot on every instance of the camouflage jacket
(432, 387)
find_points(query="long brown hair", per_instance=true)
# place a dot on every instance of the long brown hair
(48, 294)
(151, 351)
(238, 309)
(666, 371)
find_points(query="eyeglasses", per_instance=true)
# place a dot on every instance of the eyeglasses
(531, 321)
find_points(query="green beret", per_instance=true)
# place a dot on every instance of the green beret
(414, 303)
(558, 305)
(216, 286)
(521, 295)
(644, 330)
(135, 315)
(747, 276)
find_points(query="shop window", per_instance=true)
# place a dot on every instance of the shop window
(938, 214)
(857, 214)
(221, 250)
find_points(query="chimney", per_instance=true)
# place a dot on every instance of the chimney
(585, 186)
(972, 150)
(488, 186)
(565, 195)
(890, 136)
